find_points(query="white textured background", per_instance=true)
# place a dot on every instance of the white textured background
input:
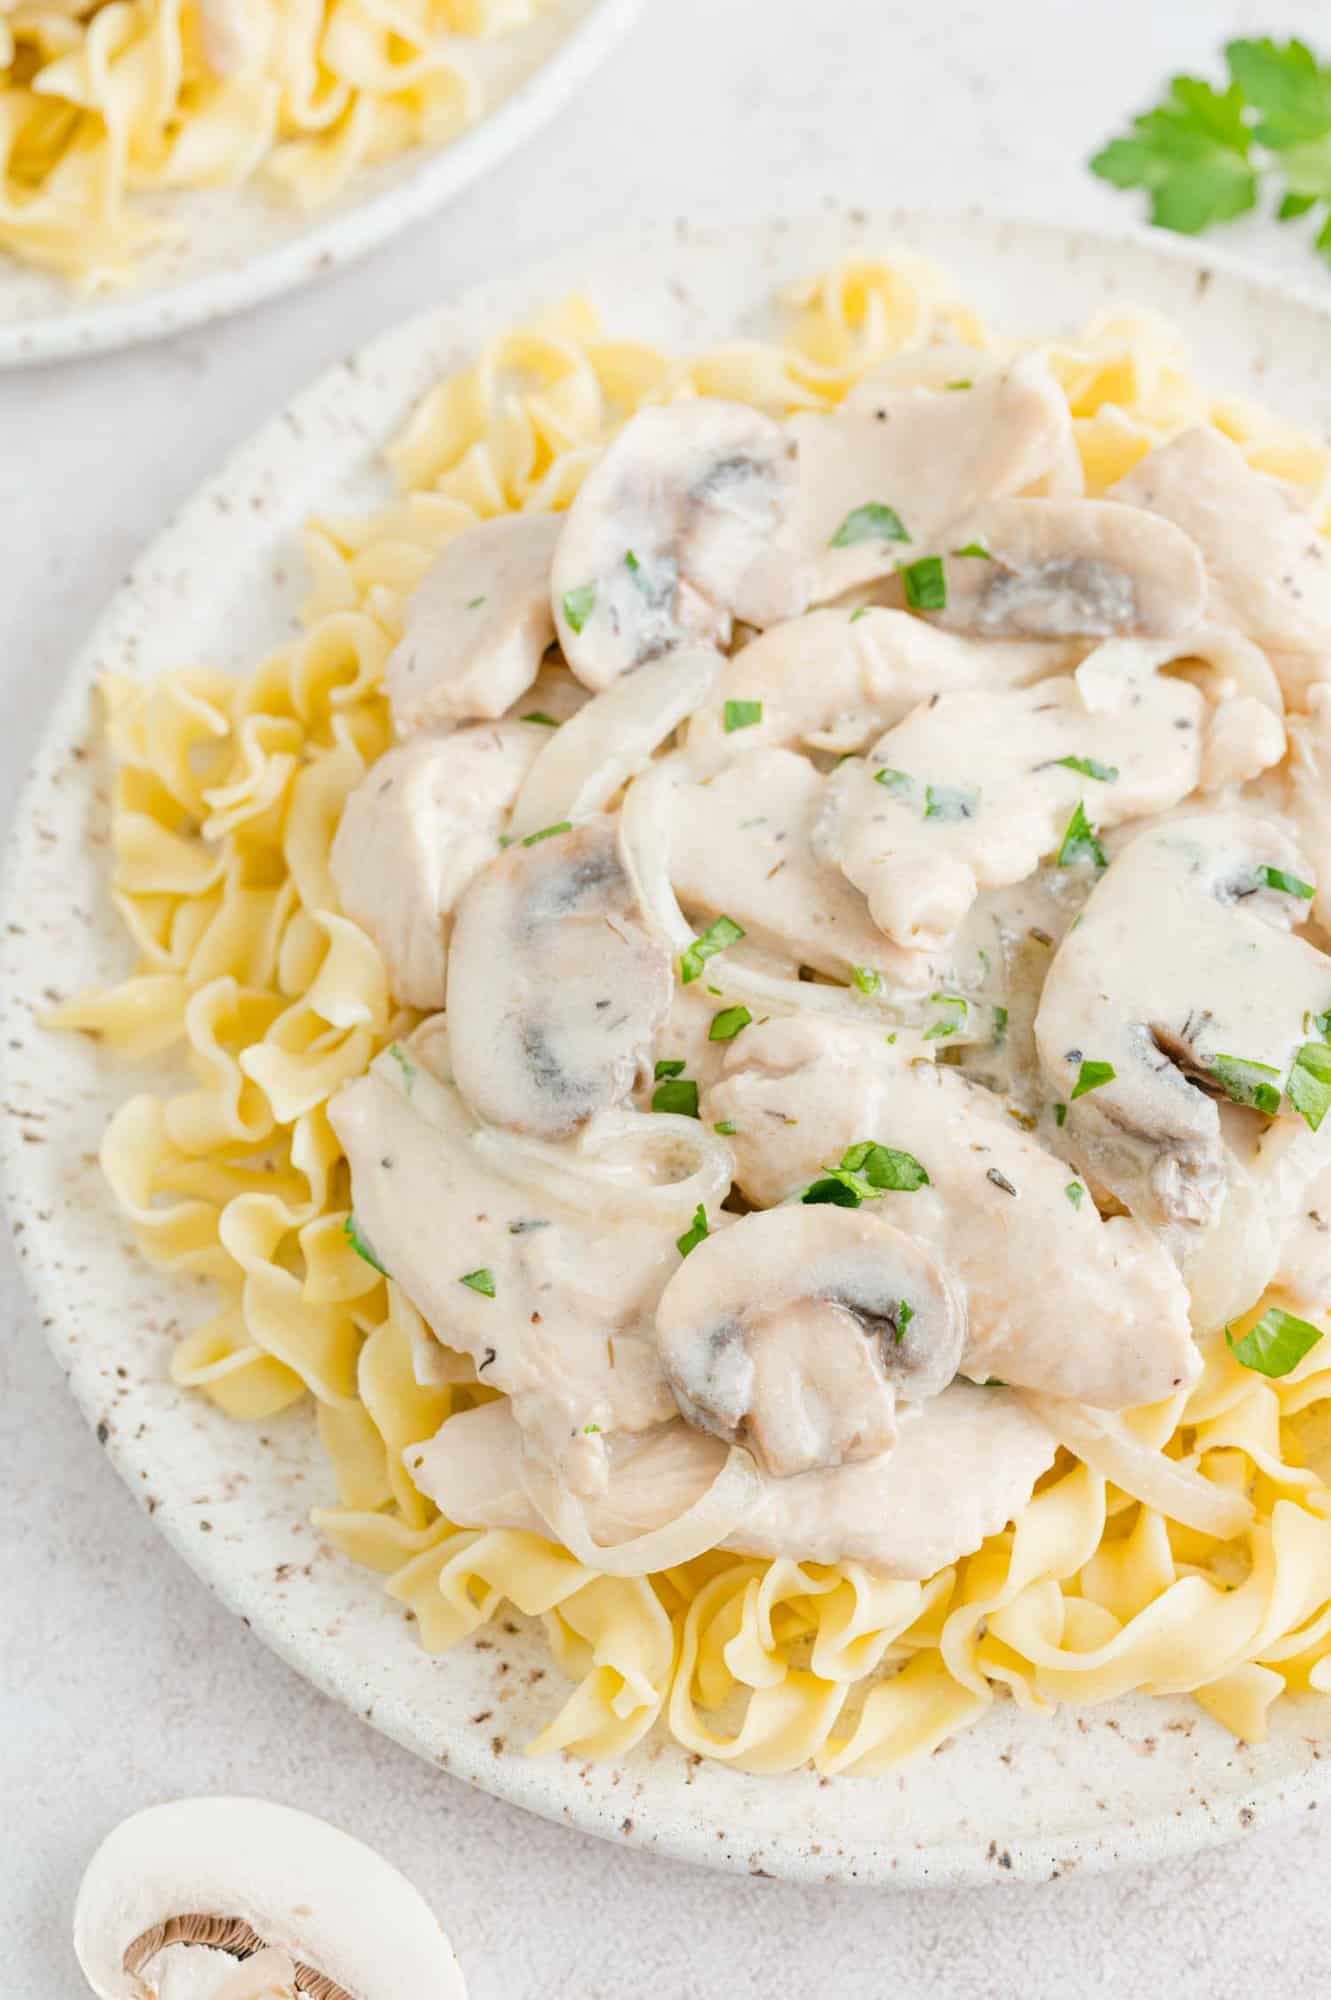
(121, 1681)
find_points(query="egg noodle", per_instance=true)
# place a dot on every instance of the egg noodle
(105, 100)
(227, 794)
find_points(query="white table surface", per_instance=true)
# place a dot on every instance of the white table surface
(122, 1682)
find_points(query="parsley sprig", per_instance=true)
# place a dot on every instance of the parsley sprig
(1205, 155)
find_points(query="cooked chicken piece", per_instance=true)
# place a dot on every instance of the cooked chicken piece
(794, 1332)
(420, 824)
(942, 365)
(670, 537)
(835, 680)
(1308, 776)
(1268, 569)
(477, 625)
(1056, 1298)
(740, 847)
(1180, 983)
(973, 789)
(613, 736)
(1060, 569)
(555, 991)
(962, 1467)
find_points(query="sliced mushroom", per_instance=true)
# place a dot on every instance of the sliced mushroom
(477, 624)
(420, 824)
(1243, 739)
(1268, 568)
(670, 537)
(612, 737)
(741, 847)
(879, 484)
(1182, 981)
(795, 1331)
(963, 1465)
(555, 990)
(229, 1878)
(973, 789)
(1058, 569)
(1105, 1321)
(835, 680)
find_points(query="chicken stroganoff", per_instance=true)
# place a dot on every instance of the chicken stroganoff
(808, 921)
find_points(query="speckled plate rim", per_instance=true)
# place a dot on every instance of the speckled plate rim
(349, 232)
(992, 1810)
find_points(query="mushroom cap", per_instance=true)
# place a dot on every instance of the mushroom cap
(555, 989)
(295, 1882)
(795, 1330)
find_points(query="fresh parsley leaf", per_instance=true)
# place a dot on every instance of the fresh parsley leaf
(999, 1035)
(948, 1023)
(1289, 885)
(360, 1244)
(1061, 1114)
(717, 937)
(977, 549)
(1276, 1344)
(1090, 1077)
(482, 1281)
(405, 1064)
(885, 1169)
(950, 802)
(894, 781)
(1074, 1192)
(832, 1191)
(905, 1314)
(1088, 767)
(865, 978)
(962, 382)
(873, 522)
(742, 715)
(1244, 1082)
(539, 715)
(579, 605)
(727, 1024)
(1191, 154)
(926, 584)
(1080, 843)
(631, 563)
(473, 603)
(860, 611)
(1287, 87)
(679, 1094)
(726, 1127)
(548, 832)
(695, 1232)
(670, 1066)
(1309, 1086)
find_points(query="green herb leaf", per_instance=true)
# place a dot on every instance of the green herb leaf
(1244, 1082)
(950, 802)
(976, 549)
(1061, 1113)
(885, 1169)
(1089, 768)
(360, 1244)
(742, 715)
(718, 936)
(1292, 206)
(473, 602)
(1289, 885)
(860, 611)
(873, 522)
(955, 1018)
(1080, 843)
(999, 1035)
(1276, 1344)
(548, 832)
(905, 1314)
(1090, 1077)
(631, 563)
(865, 978)
(963, 382)
(679, 1094)
(726, 1127)
(539, 715)
(404, 1063)
(1191, 156)
(832, 1191)
(1074, 1192)
(1286, 87)
(1309, 1086)
(695, 1233)
(669, 1067)
(579, 605)
(898, 782)
(482, 1281)
(926, 584)
(727, 1024)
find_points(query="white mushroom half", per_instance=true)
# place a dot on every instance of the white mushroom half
(671, 536)
(1057, 1298)
(973, 789)
(477, 624)
(1179, 985)
(795, 1331)
(1065, 568)
(555, 989)
(419, 825)
(1268, 569)
(232, 1877)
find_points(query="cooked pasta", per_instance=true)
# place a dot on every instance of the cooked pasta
(105, 104)
(251, 978)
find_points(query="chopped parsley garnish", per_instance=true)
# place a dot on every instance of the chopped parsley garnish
(950, 802)
(695, 1232)
(360, 1244)
(1080, 843)
(962, 382)
(1277, 1343)
(867, 1170)
(1074, 1192)
(404, 1063)
(1088, 767)
(905, 1314)
(865, 978)
(591, 1430)
(860, 611)
(539, 715)
(1309, 1086)
(899, 782)
(548, 832)
(474, 602)
(873, 522)
(1061, 1112)
(679, 1094)
(976, 549)
(742, 715)
(718, 936)
(579, 605)
(1090, 1077)
(949, 1023)
(1244, 1082)
(727, 1024)
(631, 563)
(670, 1066)
(1289, 885)
(1000, 1027)
(926, 584)
(726, 1127)
(482, 1281)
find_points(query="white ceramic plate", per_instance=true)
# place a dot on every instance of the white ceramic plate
(243, 245)
(1014, 1797)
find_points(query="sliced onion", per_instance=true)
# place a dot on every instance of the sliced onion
(1103, 1441)
(727, 1502)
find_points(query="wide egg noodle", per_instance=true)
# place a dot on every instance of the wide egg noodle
(228, 794)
